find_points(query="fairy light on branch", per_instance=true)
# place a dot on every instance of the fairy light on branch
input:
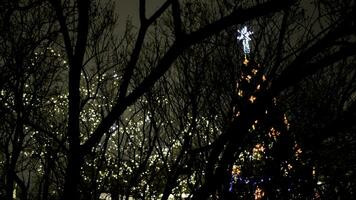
(258, 151)
(259, 193)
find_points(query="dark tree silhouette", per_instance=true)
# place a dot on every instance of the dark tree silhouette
(75, 46)
(146, 112)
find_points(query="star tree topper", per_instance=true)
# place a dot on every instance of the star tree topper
(245, 37)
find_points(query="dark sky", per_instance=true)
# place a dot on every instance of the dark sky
(129, 8)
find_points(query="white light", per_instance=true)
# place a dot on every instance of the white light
(105, 196)
(245, 37)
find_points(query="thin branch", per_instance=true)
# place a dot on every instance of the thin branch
(176, 13)
(56, 4)
(280, 42)
(159, 12)
(301, 67)
(138, 46)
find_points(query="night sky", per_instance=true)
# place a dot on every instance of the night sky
(129, 9)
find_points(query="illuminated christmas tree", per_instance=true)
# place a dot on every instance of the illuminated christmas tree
(270, 165)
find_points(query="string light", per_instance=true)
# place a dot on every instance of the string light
(258, 151)
(240, 93)
(236, 170)
(258, 87)
(298, 151)
(237, 114)
(314, 171)
(273, 133)
(264, 78)
(236, 178)
(254, 71)
(245, 62)
(252, 99)
(248, 78)
(259, 193)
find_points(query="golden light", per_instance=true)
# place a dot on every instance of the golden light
(298, 151)
(264, 78)
(258, 151)
(258, 87)
(237, 114)
(254, 71)
(286, 168)
(259, 193)
(254, 124)
(314, 171)
(240, 93)
(273, 133)
(290, 166)
(236, 170)
(252, 99)
(285, 120)
(245, 61)
(248, 78)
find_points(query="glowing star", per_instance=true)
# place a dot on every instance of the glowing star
(245, 37)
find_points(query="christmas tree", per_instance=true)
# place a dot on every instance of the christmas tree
(270, 165)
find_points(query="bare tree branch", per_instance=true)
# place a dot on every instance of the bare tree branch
(177, 19)
(238, 16)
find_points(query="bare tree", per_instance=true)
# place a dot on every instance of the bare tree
(27, 30)
(75, 40)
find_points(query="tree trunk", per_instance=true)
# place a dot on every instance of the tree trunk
(72, 177)
(74, 154)
(22, 186)
(18, 134)
(47, 172)
(9, 188)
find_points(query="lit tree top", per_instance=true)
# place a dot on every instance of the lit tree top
(245, 37)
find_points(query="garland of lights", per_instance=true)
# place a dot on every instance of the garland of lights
(248, 181)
